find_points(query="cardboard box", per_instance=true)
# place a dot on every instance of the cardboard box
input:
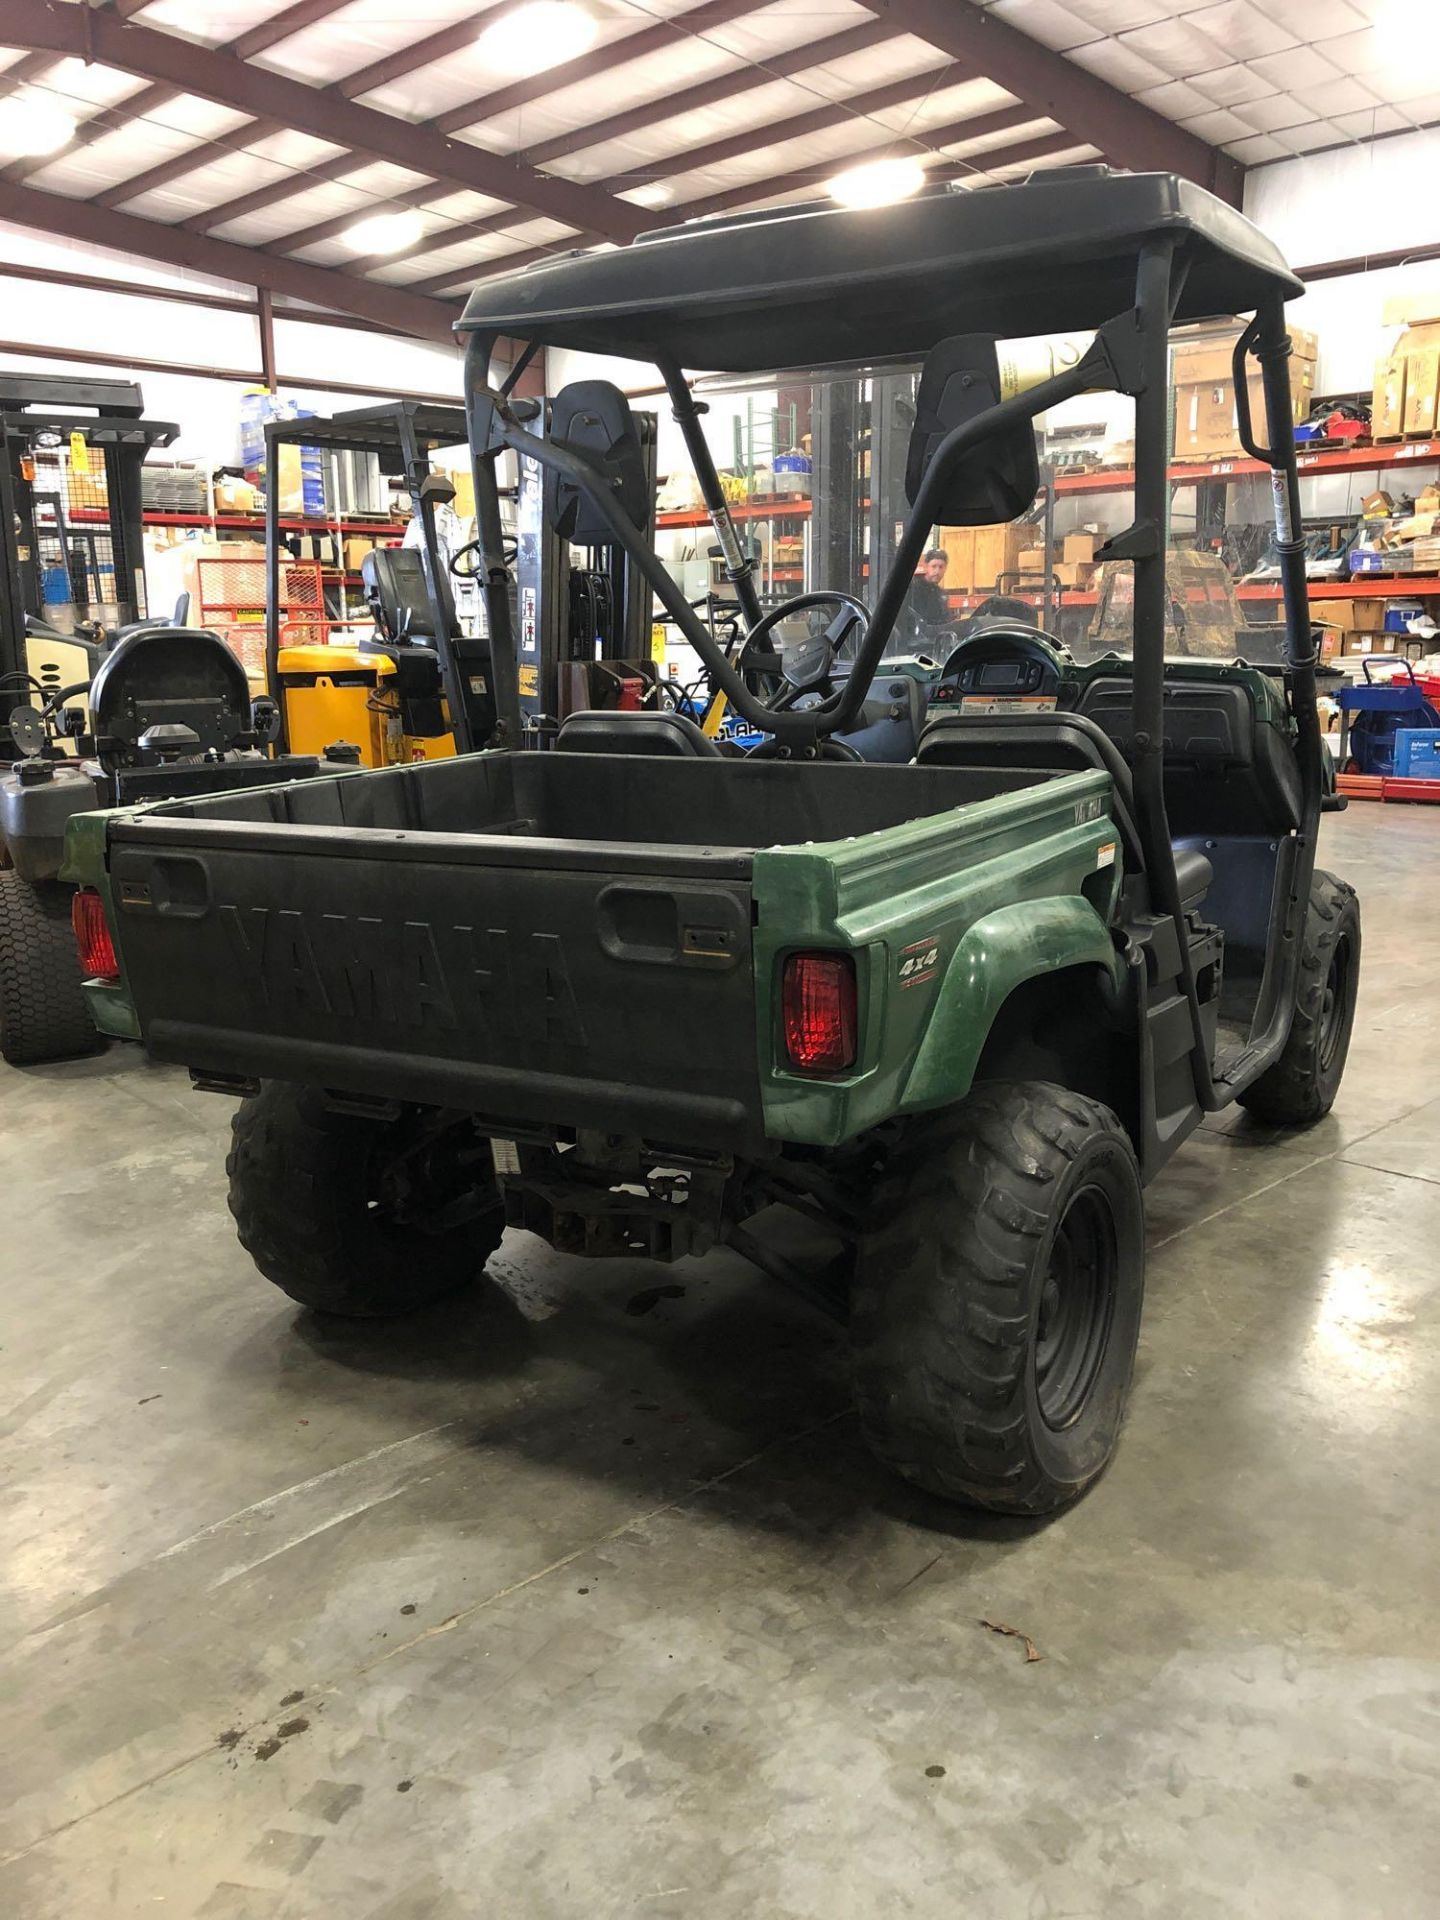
(1351, 616)
(1387, 408)
(357, 545)
(1422, 378)
(1207, 426)
(959, 545)
(997, 554)
(1080, 546)
(1031, 560)
(1207, 352)
(1410, 309)
(1377, 506)
(1075, 573)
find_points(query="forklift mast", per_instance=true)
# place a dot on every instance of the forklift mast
(93, 546)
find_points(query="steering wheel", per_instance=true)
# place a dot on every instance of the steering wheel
(1007, 641)
(508, 552)
(805, 667)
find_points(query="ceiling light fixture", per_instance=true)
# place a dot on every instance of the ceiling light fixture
(538, 35)
(31, 125)
(1408, 33)
(385, 233)
(650, 193)
(878, 183)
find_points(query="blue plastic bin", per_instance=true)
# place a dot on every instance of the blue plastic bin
(1417, 753)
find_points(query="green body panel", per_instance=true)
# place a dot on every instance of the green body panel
(109, 1006)
(945, 917)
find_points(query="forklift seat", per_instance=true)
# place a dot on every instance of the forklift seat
(397, 593)
(672, 734)
(1066, 742)
(160, 677)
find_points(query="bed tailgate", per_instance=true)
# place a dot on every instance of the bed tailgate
(528, 980)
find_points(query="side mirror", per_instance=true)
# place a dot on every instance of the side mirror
(994, 481)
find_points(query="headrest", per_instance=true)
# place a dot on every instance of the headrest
(593, 418)
(674, 735)
(168, 676)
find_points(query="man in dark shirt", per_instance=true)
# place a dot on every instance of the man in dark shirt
(926, 603)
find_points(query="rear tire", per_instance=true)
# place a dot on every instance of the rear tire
(363, 1217)
(43, 1015)
(1301, 1086)
(997, 1301)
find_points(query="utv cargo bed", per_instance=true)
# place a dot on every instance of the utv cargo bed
(553, 937)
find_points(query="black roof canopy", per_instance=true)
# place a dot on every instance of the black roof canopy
(820, 285)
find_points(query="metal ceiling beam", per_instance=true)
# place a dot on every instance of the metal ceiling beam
(820, 119)
(421, 53)
(53, 213)
(831, 113)
(1098, 114)
(467, 277)
(725, 86)
(79, 32)
(152, 98)
(290, 183)
(587, 66)
(708, 93)
(178, 165)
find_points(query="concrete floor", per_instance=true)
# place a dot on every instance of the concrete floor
(582, 1602)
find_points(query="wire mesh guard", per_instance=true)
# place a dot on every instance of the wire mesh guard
(231, 594)
(74, 545)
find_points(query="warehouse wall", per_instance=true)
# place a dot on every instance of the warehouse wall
(126, 322)
(1358, 200)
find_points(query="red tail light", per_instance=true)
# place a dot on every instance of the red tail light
(92, 936)
(818, 1003)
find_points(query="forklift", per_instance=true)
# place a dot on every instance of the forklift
(100, 701)
(72, 571)
(422, 685)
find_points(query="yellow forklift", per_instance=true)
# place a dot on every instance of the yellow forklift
(414, 685)
(420, 684)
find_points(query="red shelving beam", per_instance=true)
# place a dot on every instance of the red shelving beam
(1335, 460)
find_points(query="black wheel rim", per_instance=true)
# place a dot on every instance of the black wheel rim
(1077, 1305)
(1334, 1005)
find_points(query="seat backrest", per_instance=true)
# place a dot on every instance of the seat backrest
(398, 593)
(168, 677)
(1227, 770)
(594, 731)
(1047, 742)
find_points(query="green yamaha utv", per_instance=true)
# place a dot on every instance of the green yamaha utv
(628, 990)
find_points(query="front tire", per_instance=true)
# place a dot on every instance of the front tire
(43, 1015)
(997, 1301)
(359, 1216)
(1301, 1086)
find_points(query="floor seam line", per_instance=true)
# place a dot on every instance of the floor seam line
(445, 1626)
(1320, 1160)
(600, 1540)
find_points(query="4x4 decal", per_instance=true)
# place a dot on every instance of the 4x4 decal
(920, 961)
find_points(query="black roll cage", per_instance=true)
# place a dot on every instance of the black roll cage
(1130, 355)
